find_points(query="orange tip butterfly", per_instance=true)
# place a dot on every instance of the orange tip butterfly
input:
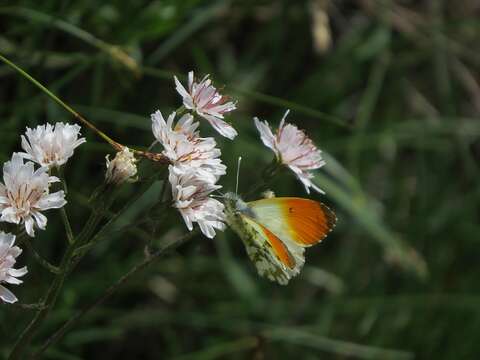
(276, 231)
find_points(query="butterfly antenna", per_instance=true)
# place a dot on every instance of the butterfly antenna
(238, 174)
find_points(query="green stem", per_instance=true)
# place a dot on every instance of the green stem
(50, 298)
(63, 212)
(26, 337)
(43, 262)
(117, 146)
(111, 290)
(55, 98)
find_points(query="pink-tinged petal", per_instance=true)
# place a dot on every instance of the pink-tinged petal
(7, 296)
(12, 280)
(40, 219)
(54, 200)
(10, 215)
(180, 89)
(29, 226)
(266, 134)
(190, 80)
(222, 127)
(18, 272)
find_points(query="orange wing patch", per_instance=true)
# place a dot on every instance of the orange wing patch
(279, 248)
(309, 221)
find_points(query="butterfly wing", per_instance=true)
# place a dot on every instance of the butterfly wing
(299, 221)
(268, 253)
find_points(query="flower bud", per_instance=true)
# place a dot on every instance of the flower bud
(122, 168)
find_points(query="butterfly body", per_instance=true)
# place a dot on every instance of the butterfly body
(276, 231)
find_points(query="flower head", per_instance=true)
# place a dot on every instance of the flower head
(9, 275)
(183, 145)
(191, 197)
(49, 145)
(294, 149)
(122, 168)
(203, 98)
(25, 194)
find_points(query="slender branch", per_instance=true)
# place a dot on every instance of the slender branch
(68, 227)
(53, 292)
(42, 261)
(117, 146)
(38, 306)
(149, 259)
(26, 336)
(79, 117)
(63, 212)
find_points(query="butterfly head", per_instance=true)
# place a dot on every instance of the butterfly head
(235, 206)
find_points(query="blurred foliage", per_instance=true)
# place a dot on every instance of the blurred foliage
(390, 92)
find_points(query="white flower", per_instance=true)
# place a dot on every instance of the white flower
(203, 98)
(183, 145)
(9, 275)
(122, 168)
(191, 197)
(294, 149)
(50, 145)
(24, 194)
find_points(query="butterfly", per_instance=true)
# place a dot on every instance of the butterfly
(277, 230)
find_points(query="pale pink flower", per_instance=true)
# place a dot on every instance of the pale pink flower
(25, 194)
(123, 167)
(190, 195)
(204, 99)
(9, 275)
(183, 145)
(294, 149)
(49, 145)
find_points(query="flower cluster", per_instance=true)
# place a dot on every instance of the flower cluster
(195, 161)
(25, 190)
(196, 167)
(294, 149)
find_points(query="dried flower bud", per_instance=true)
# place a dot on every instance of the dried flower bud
(122, 168)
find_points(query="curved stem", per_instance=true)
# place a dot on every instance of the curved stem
(50, 298)
(53, 292)
(149, 258)
(116, 145)
(63, 212)
(43, 262)
(79, 117)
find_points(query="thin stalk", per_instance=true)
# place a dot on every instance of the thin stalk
(26, 337)
(63, 212)
(50, 298)
(43, 262)
(116, 145)
(149, 259)
(38, 306)
(55, 98)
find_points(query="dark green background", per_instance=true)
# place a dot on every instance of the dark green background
(393, 103)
